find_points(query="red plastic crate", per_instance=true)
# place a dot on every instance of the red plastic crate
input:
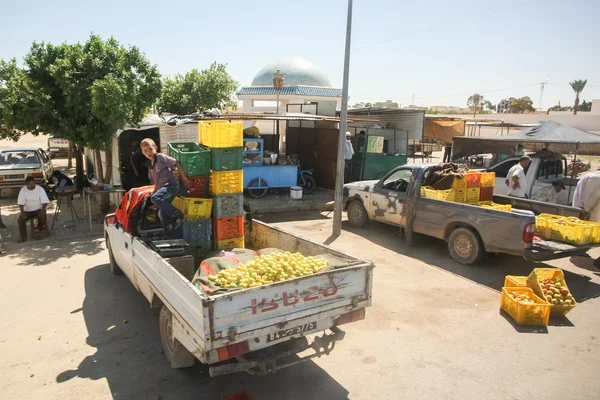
(486, 194)
(229, 227)
(473, 180)
(199, 186)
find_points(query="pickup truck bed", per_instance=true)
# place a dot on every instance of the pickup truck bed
(259, 326)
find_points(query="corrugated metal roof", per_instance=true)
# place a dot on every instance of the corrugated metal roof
(181, 119)
(291, 90)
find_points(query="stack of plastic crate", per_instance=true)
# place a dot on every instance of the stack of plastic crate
(225, 141)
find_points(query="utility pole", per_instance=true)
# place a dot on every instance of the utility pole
(541, 106)
(339, 179)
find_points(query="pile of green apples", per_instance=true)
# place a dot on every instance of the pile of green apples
(556, 293)
(521, 298)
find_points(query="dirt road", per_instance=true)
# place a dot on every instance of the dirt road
(71, 330)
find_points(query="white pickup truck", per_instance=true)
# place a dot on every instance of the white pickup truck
(541, 173)
(260, 329)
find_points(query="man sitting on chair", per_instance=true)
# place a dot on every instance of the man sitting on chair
(33, 201)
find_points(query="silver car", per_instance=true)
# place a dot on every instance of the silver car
(19, 162)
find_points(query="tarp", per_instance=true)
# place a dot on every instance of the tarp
(555, 137)
(443, 130)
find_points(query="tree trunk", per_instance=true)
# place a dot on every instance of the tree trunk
(79, 178)
(109, 169)
(70, 156)
(99, 167)
(576, 104)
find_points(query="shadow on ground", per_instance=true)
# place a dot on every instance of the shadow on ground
(490, 272)
(272, 218)
(125, 333)
(46, 251)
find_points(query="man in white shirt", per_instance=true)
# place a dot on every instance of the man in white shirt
(348, 154)
(33, 201)
(516, 180)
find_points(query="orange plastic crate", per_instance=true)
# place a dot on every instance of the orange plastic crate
(473, 179)
(229, 227)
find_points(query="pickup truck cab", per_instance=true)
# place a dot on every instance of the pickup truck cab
(19, 162)
(541, 173)
(470, 231)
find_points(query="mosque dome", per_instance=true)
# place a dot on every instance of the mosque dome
(295, 70)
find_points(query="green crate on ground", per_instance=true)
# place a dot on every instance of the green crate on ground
(229, 159)
(194, 159)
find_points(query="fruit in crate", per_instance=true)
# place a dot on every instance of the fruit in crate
(556, 293)
(521, 298)
(266, 269)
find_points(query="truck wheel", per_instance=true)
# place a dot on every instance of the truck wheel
(357, 215)
(176, 353)
(465, 246)
(114, 267)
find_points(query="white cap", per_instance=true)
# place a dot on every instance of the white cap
(348, 134)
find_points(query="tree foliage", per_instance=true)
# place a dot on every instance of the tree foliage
(475, 102)
(363, 105)
(521, 105)
(577, 85)
(198, 90)
(79, 92)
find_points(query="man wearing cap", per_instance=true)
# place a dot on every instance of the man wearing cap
(549, 193)
(348, 154)
(516, 180)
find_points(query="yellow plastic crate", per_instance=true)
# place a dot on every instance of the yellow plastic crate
(494, 206)
(515, 281)
(540, 274)
(431, 193)
(488, 179)
(221, 134)
(226, 182)
(459, 183)
(569, 232)
(194, 208)
(594, 226)
(543, 224)
(473, 195)
(237, 243)
(536, 314)
(460, 195)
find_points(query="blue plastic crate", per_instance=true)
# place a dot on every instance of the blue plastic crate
(198, 232)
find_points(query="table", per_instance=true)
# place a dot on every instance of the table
(65, 192)
(88, 193)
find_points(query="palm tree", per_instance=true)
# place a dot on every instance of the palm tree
(577, 85)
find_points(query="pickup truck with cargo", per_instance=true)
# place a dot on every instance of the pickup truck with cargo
(258, 330)
(470, 231)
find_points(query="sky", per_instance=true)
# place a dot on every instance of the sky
(438, 51)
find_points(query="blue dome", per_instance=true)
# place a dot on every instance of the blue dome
(295, 70)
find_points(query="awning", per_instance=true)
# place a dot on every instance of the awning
(443, 130)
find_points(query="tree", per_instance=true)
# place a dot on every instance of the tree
(198, 90)
(577, 85)
(363, 105)
(488, 105)
(585, 106)
(474, 102)
(521, 105)
(79, 92)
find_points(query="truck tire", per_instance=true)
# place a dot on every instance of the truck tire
(357, 215)
(114, 267)
(465, 246)
(177, 354)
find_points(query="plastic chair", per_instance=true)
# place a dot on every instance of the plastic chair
(32, 224)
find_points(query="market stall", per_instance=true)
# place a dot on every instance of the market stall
(372, 156)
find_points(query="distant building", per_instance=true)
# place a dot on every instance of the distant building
(450, 110)
(387, 104)
(503, 105)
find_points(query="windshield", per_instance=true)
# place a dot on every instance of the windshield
(19, 157)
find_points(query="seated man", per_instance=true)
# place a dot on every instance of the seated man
(33, 201)
(63, 180)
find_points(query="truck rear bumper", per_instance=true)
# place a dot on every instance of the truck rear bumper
(547, 250)
(271, 359)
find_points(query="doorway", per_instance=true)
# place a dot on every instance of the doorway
(131, 158)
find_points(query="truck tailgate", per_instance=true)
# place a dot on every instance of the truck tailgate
(247, 310)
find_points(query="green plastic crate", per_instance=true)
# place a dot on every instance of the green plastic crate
(228, 159)
(194, 158)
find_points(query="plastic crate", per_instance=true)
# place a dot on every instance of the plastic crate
(226, 182)
(194, 208)
(595, 227)
(230, 159)
(459, 183)
(488, 179)
(473, 195)
(229, 227)
(194, 158)
(197, 232)
(515, 281)
(460, 196)
(543, 224)
(236, 243)
(228, 205)
(199, 187)
(221, 134)
(486, 193)
(199, 252)
(536, 314)
(473, 179)
(540, 274)
(569, 232)
(494, 206)
(431, 193)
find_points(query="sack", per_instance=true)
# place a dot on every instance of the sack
(130, 201)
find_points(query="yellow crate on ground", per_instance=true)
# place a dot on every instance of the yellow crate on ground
(541, 274)
(194, 208)
(236, 243)
(226, 182)
(431, 193)
(220, 134)
(459, 183)
(488, 179)
(535, 314)
(473, 195)
(569, 232)
(515, 281)
(494, 206)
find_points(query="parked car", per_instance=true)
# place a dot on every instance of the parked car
(58, 147)
(18, 163)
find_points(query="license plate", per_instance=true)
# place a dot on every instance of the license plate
(54, 149)
(14, 176)
(291, 331)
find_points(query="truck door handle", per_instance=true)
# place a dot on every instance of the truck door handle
(126, 245)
